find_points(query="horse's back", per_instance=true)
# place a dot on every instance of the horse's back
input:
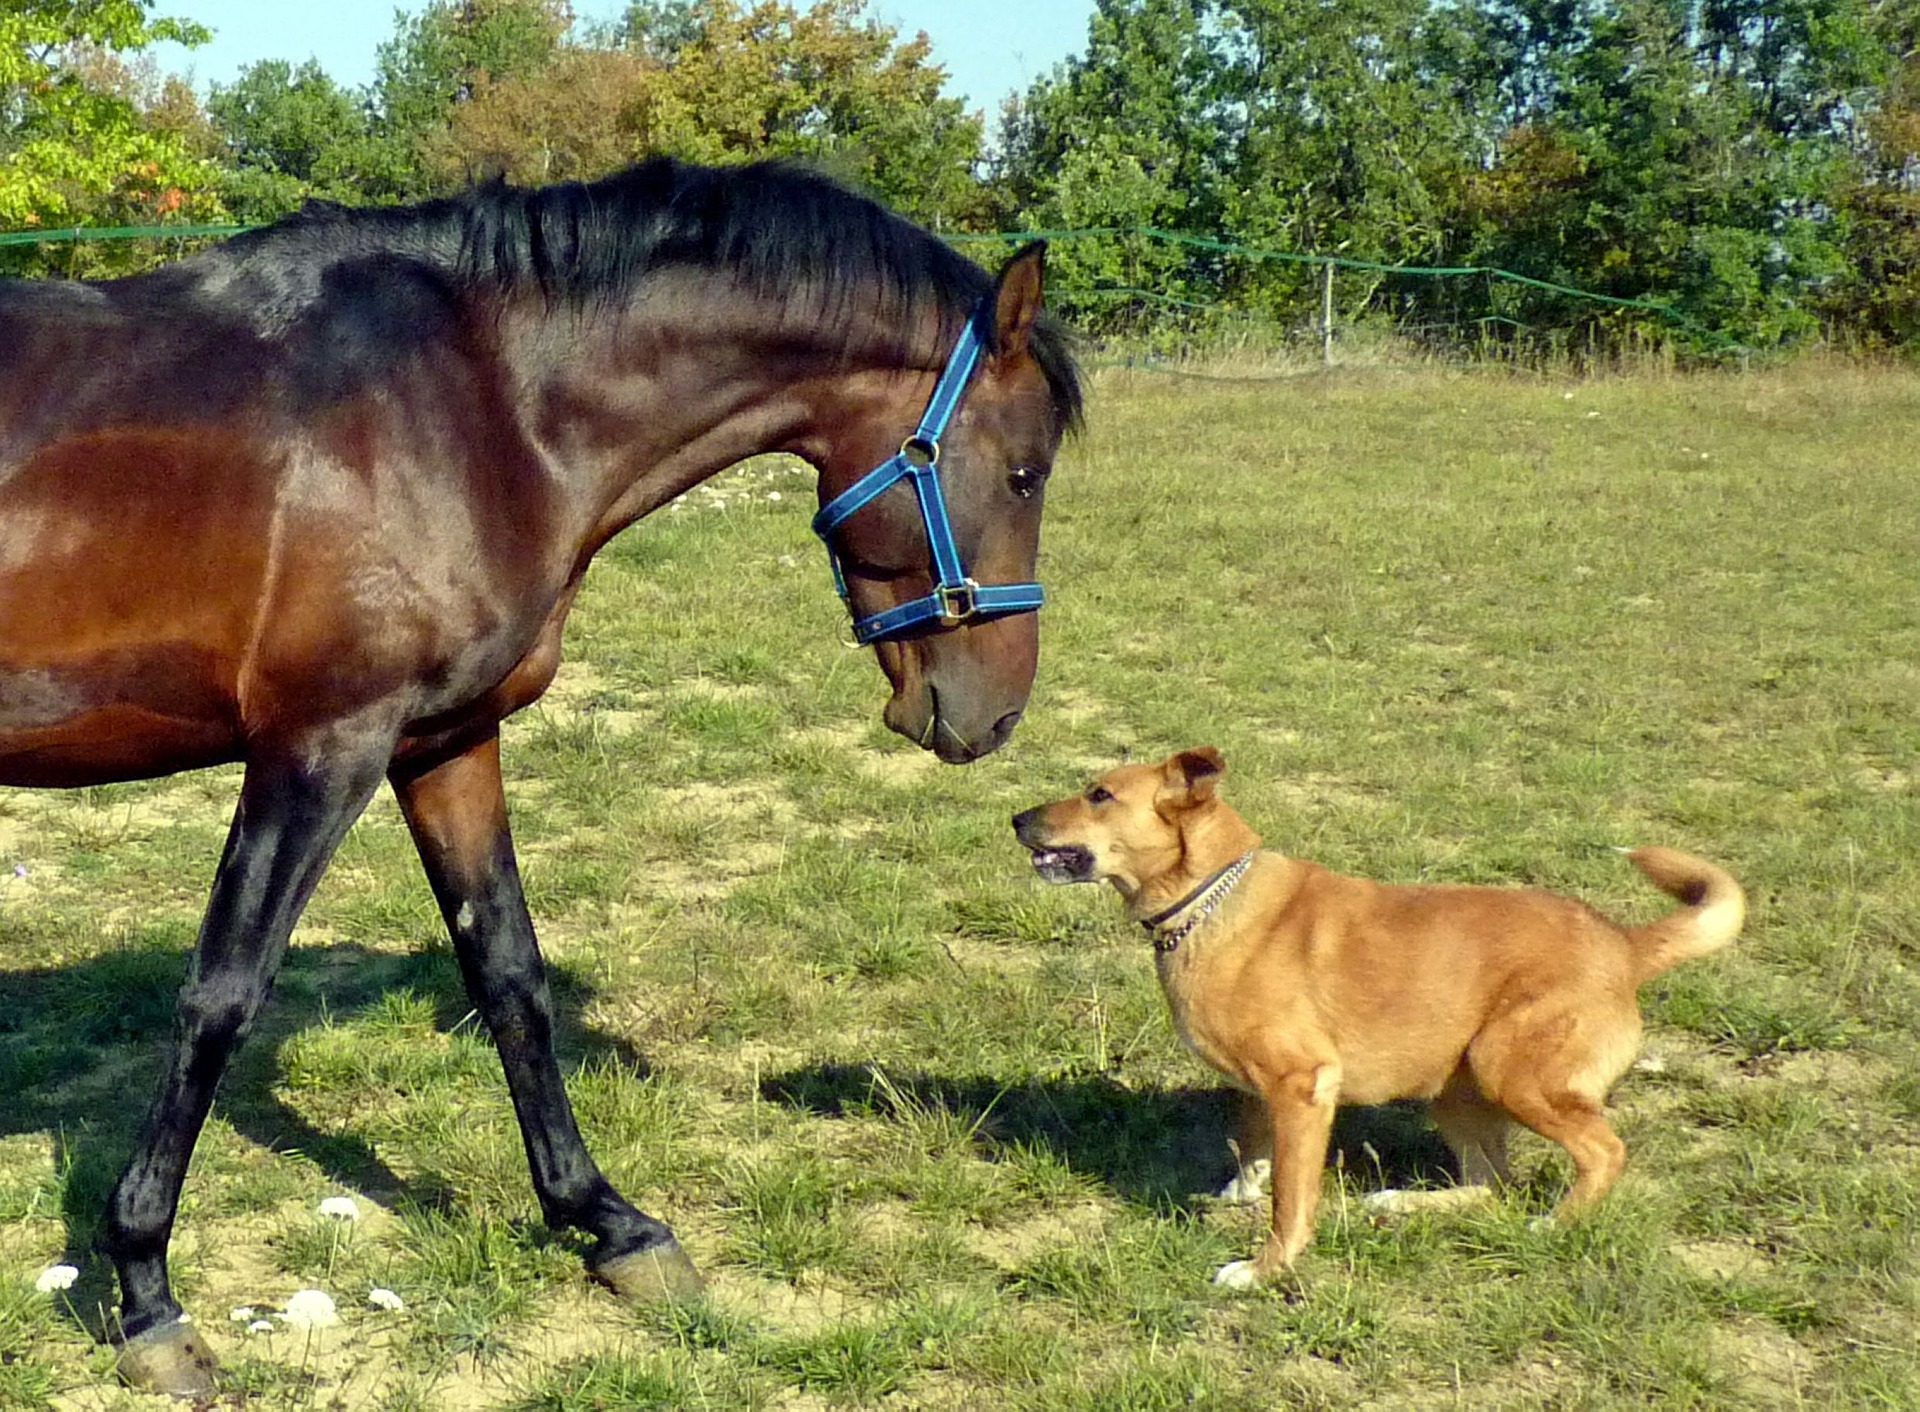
(235, 492)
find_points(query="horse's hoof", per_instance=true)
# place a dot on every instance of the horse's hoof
(171, 1359)
(658, 1274)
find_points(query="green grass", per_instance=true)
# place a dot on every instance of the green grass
(922, 1119)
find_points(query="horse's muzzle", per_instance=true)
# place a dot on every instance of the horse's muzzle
(952, 739)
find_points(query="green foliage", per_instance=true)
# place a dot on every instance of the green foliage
(1703, 156)
(78, 145)
(290, 134)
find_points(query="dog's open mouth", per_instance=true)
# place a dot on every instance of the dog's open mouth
(1064, 865)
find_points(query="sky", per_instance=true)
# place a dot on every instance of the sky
(989, 48)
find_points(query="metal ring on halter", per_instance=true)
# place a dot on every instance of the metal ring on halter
(958, 602)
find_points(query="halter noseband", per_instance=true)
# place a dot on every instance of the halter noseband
(955, 598)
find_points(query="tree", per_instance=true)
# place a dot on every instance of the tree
(1130, 135)
(76, 147)
(826, 83)
(717, 81)
(289, 134)
(437, 60)
(577, 118)
(1349, 142)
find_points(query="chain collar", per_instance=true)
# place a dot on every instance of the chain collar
(1203, 901)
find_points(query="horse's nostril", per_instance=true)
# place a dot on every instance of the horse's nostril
(1003, 727)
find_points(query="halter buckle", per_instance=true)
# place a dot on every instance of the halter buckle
(921, 452)
(958, 602)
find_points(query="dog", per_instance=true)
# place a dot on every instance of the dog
(1309, 989)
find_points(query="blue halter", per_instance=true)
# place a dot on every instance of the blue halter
(955, 598)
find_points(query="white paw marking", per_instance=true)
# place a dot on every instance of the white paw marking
(1394, 1202)
(1238, 1275)
(1251, 1184)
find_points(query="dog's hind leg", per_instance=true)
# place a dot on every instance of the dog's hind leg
(1476, 1130)
(1252, 1153)
(1552, 1072)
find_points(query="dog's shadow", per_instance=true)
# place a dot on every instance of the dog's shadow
(1158, 1147)
(82, 1046)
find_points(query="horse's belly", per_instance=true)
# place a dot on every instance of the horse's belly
(109, 745)
(113, 716)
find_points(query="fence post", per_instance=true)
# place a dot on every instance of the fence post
(1326, 313)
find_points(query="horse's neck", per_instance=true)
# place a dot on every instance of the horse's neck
(656, 400)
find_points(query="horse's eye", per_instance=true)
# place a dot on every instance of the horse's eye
(1099, 794)
(1025, 481)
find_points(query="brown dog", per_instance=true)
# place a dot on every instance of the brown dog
(1309, 989)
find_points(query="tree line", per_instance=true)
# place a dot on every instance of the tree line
(1753, 166)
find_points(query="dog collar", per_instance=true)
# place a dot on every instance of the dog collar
(1203, 900)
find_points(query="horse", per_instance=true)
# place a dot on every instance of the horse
(318, 501)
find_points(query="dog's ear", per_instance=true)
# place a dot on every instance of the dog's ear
(1188, 778)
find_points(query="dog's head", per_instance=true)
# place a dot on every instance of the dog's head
(1130, 827)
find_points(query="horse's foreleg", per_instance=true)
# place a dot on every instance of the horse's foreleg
(289, 820)
(458, 815)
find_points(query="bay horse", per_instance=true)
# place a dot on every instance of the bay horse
(318, 500)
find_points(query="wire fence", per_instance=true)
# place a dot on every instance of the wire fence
(1156, 299)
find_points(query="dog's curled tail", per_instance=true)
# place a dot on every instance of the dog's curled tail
(1715, 908)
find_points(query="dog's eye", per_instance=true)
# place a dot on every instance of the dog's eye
(1099, 794)
(1025, 481)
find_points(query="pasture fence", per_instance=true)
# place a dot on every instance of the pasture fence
(1162, 300)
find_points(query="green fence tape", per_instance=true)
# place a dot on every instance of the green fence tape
(73, 233)
(1194, 242)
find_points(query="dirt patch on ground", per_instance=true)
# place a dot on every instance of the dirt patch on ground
(1721, 1259)
(1764, 1365)
(1013, 1244)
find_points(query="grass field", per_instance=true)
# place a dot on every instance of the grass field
(923, 1120)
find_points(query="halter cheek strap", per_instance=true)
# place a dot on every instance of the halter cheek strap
(955, 598)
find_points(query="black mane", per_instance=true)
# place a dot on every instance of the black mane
(783, 230)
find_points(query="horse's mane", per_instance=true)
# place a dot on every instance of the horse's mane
(783, 230)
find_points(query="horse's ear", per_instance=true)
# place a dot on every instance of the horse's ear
(1016, 300)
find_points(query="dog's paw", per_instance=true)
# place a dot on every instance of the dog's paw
(1251, 1184)
(1395, 1202)
(1391, 1202)
(1239, 1275)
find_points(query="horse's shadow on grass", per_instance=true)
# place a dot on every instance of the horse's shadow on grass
(1156, 1147)
(82, 1046)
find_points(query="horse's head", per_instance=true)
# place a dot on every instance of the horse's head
(960, 659)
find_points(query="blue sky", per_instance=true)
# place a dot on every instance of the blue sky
(989, 47)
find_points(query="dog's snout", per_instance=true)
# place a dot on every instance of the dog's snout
(1024, 823)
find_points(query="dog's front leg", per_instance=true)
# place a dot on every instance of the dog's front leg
(1300, 1107)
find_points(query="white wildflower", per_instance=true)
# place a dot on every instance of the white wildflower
(341, 1208)
(260, 1326)
(311, 1309)
(773, 495)
(56, 1277)
(385, 1299)
(241, 1314)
